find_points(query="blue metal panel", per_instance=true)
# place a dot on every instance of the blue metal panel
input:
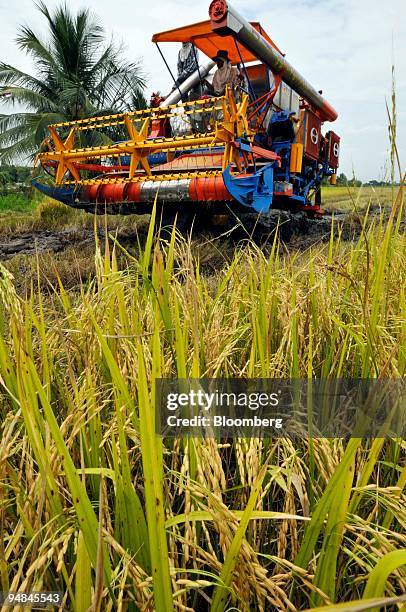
(62, 194)
(254, 191)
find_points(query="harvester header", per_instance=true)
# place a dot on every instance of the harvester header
(259, 145)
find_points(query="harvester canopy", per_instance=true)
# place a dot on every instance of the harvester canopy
(209, 42)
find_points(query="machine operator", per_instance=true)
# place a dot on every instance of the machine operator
(226, 74)
(187, 63)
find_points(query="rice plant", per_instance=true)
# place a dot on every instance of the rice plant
(94, 504)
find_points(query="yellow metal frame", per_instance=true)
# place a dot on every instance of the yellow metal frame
(140, 145)
(296, 158)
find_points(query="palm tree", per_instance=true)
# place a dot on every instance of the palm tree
(77, 74)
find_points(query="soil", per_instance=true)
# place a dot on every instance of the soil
(296, 230)
(44, 241)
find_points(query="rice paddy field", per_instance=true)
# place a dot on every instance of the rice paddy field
(95, 505)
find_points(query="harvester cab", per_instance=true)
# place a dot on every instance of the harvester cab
(254, 149)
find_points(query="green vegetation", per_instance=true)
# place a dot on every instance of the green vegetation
(343, 180)
(78, 74)
(22, 214)
(17, 203)
(95, 505)
(10, 175)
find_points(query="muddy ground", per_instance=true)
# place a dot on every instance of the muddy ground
(296, 234)
(46, 257)
(44, 242)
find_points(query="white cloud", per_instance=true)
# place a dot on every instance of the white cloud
(343, 47)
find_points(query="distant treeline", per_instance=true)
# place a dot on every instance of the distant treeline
(15, 179)
(14, 174)
(342, 180)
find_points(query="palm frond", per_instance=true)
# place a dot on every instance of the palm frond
(12, 76)
(31, 99)
(78, 73)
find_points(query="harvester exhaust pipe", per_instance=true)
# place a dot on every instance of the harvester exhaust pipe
(227, 21)
(188, 84)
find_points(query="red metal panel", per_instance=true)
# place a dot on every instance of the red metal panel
(132, 192)
(333, 149)
(89, 193)
(313, 135)
(208, 190)
(111, 193)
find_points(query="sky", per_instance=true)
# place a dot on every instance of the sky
(344, 47)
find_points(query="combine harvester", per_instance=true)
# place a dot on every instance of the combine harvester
(247, 154)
